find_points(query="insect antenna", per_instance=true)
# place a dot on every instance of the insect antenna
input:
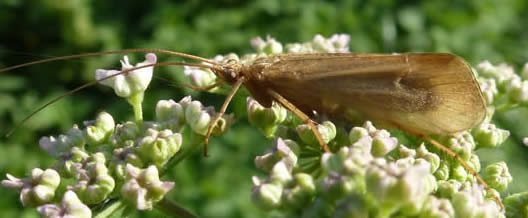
(223, 109)
(71, 92)
(467, 167)
(160, 51)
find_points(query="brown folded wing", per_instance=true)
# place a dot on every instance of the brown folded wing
(423, 92)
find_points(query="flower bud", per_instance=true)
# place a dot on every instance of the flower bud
(265, 119)
(125, 134)
(432, 158)
(382, 144)
(101, 130)
(517, 205)
(489, 89)
(498, 176)
(443, 171)
(283, 150)
(300, 194)
(437, 208)
(36, 190)
(270, 46)
(131, 83)
(170, 114)
(197, 118)
(70, 206)
(327, 130)
(357, 133)
(458, 172)
(487, 135)
(267, 196)
(95, 182)
(143, 187)
(471, 203)
(157, 147)
(62, 144)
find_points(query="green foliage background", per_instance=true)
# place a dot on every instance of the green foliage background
(219, 186)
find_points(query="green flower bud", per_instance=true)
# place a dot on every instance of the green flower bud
(270, 46)
(357, 133)
(170, 114)
(489, 89)
(125, 134)
(437, 208)
(131, 83)
(462, 144)
(458, 172)
(99, 131)
(95, 181)
(36, 190)
(474, 162)
(157, 147)
(62, 145)
(382, 143)
(300, 194)
(327, 130)
(123, 156)
(442, 173)
(267, 196)
(143, 187)
(518, 92)
(70, 206)
(69, 163)
(266, 119)
(517, 204)
(394, 187)
(199, 118)
(281, 173)
(497, 176)
(432, 158)
(446, 189)
(406, 152)
(471, 203)
(335, 186)
(488, 135)
(283, 149)
(337, 43)
(200, 77)
(502, 73)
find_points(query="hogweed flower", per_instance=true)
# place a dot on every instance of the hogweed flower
(69, 207)
(266, 119)
(131, 83)
(143, 187)
(63, 143)
(498, 176)
(36, 190)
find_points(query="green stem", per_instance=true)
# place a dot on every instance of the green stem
(173, 210)
(110, 210)
(196, 141)
(136, 102)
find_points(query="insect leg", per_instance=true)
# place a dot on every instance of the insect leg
(204, 89)
(467, 167)
(223, 109)
(276, 96)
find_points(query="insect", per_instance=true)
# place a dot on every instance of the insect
(420, 93)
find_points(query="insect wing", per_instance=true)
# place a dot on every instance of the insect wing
(422, 93)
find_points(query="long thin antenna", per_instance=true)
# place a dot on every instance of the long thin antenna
(71, 92)
(160, 51)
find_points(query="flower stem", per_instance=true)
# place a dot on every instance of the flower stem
(173, 210)
(136, 102)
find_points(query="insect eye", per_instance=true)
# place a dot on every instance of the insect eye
(231, 61)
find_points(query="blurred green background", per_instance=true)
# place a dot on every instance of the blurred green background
(219, 186)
